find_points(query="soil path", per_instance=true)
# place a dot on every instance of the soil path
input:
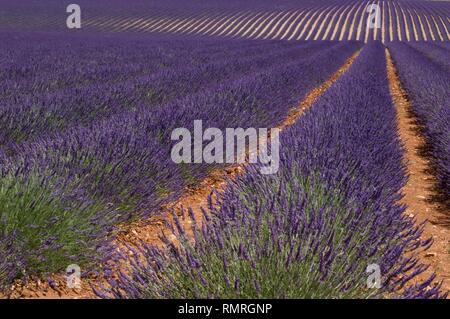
(418, 192)
(149, 230)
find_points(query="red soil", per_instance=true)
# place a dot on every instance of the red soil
(419, 191)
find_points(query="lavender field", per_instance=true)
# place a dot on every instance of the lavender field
(354, 97)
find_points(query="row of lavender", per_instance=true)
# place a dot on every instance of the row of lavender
(28, 61)
(50, 98)
(62, 195)
(312, 230)
(425, 73)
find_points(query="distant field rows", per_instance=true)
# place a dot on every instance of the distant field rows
(403, 21)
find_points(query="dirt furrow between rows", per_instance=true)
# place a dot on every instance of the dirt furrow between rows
(418, 192)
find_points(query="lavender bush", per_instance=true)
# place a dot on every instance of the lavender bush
(434, 52)
(12, 260)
